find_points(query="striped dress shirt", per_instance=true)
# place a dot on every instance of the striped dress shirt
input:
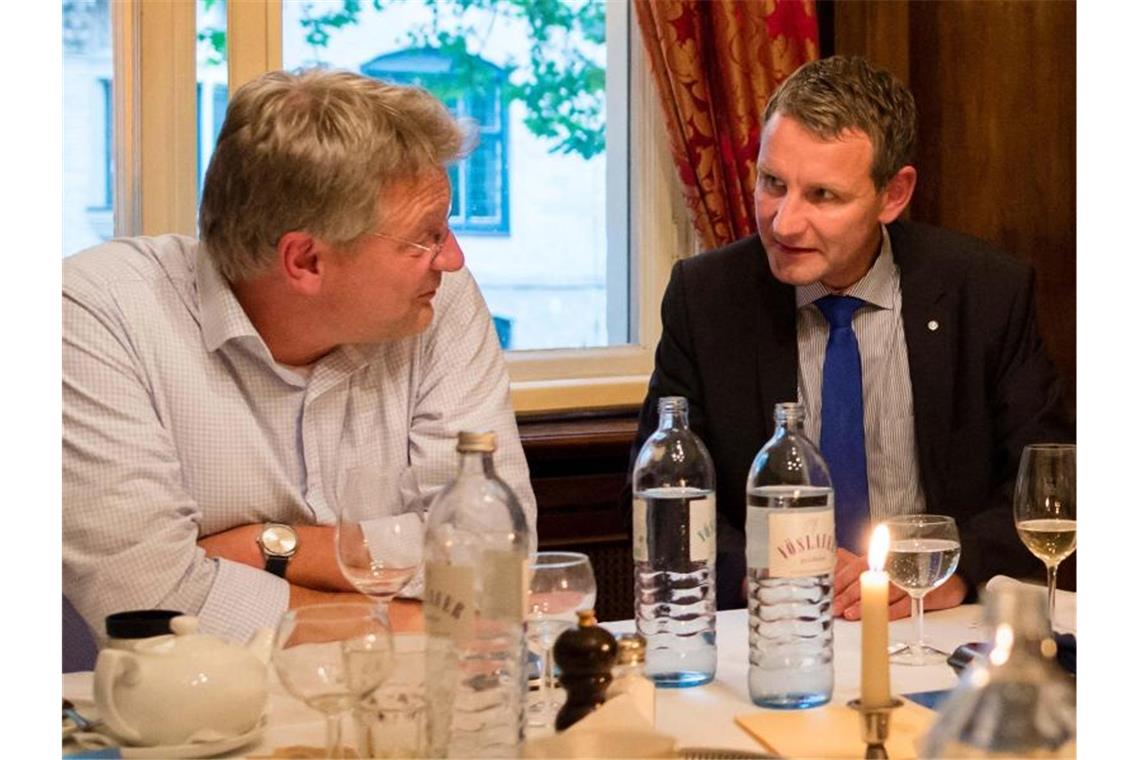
(888, 408)
(179, 424)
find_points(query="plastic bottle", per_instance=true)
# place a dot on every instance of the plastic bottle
(476, 546)
(790, 534)
(674, 551)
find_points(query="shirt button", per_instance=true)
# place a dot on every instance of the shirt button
(932, 325)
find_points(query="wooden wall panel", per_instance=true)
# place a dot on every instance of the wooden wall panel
(996, 90)
(995, 84)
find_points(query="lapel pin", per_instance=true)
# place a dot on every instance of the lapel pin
(932, 325)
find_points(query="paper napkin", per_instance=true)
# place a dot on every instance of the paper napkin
(616, 729)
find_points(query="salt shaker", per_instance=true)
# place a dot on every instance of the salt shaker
(584, 655)
(629, 676)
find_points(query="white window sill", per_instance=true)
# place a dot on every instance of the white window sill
(530, 396)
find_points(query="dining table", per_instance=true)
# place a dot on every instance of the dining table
(702, 716)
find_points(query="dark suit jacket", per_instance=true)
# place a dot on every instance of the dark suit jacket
(982, 384)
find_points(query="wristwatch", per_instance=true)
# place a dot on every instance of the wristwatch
(278, 543)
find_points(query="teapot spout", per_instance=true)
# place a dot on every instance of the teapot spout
(261, 645)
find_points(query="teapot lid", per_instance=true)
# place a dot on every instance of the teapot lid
(139, 624)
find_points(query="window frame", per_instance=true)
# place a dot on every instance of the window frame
(156, 186)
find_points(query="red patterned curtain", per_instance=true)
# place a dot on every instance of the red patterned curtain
(716, 62)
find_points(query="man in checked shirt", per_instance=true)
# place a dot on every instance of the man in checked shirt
(216, 391)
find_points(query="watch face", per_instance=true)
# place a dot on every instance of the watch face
(279, 540)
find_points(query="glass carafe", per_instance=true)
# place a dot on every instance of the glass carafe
(1016, 701)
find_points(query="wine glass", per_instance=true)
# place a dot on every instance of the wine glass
(922, 554)
(562, 583)
(377, 552)
(330, 656)
(1045, 506)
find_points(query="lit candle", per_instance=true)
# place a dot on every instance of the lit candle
(875, 681)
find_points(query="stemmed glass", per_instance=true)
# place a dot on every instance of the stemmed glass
(561, 585)
(923, 553)
(378, 553)
(330, 656)
(1045, 506)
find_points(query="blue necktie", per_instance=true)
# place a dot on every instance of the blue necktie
(841, 427)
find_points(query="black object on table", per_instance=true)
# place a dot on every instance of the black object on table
(585, 656)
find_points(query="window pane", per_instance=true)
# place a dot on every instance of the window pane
(529, 205)
(88, 116)
(212, 77)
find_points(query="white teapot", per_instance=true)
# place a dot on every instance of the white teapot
(183, 687)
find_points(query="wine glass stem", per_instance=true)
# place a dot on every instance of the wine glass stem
(332, 735)
(1051, 577)
(916, 611)
(547, 677)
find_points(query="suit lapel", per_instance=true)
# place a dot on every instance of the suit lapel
(931, 342)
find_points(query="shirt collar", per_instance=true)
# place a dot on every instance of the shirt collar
(223, 318)
(879, 287)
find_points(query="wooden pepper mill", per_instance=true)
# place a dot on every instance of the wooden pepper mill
(585, 655)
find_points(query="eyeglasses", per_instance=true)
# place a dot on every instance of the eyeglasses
(434, 250)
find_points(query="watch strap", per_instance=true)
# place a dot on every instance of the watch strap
(276, 565)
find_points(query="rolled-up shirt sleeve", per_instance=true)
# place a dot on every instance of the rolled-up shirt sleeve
(130, 527)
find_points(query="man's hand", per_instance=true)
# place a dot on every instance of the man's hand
(314, 565)
(846, 604)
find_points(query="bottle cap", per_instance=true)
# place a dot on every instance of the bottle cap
(631, 649)
(469, 441)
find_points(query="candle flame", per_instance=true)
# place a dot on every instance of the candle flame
(880, 542)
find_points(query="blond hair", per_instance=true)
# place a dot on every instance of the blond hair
(311, 151)
(840, 93)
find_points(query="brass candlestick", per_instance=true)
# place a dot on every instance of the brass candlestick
(875, 726)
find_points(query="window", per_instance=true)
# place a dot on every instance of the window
(530, 204)
(480, 182)
(211, 92)
(88, 194)
(578, 300)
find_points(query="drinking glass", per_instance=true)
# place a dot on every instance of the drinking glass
(561, 585)
(1045, 506)
(330, 656)
(922, 554)
(377, 552)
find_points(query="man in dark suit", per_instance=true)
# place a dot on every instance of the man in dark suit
(955, 378)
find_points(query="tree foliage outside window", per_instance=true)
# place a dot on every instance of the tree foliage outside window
(562, 89)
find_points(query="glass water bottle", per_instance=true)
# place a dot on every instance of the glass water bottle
(475, 557)
(790, 535)
(674, 550)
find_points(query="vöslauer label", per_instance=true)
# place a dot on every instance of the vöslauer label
(800, 544)
(640, 541)
(702, 529)
(449, 600)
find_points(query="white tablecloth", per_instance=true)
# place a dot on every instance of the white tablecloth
(700, 716)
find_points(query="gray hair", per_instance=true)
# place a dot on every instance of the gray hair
(310, 151)
(840, 93)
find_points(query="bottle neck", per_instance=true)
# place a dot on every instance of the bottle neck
(673, 413)
(477, 463)
(790, 417)
(1020, 629)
